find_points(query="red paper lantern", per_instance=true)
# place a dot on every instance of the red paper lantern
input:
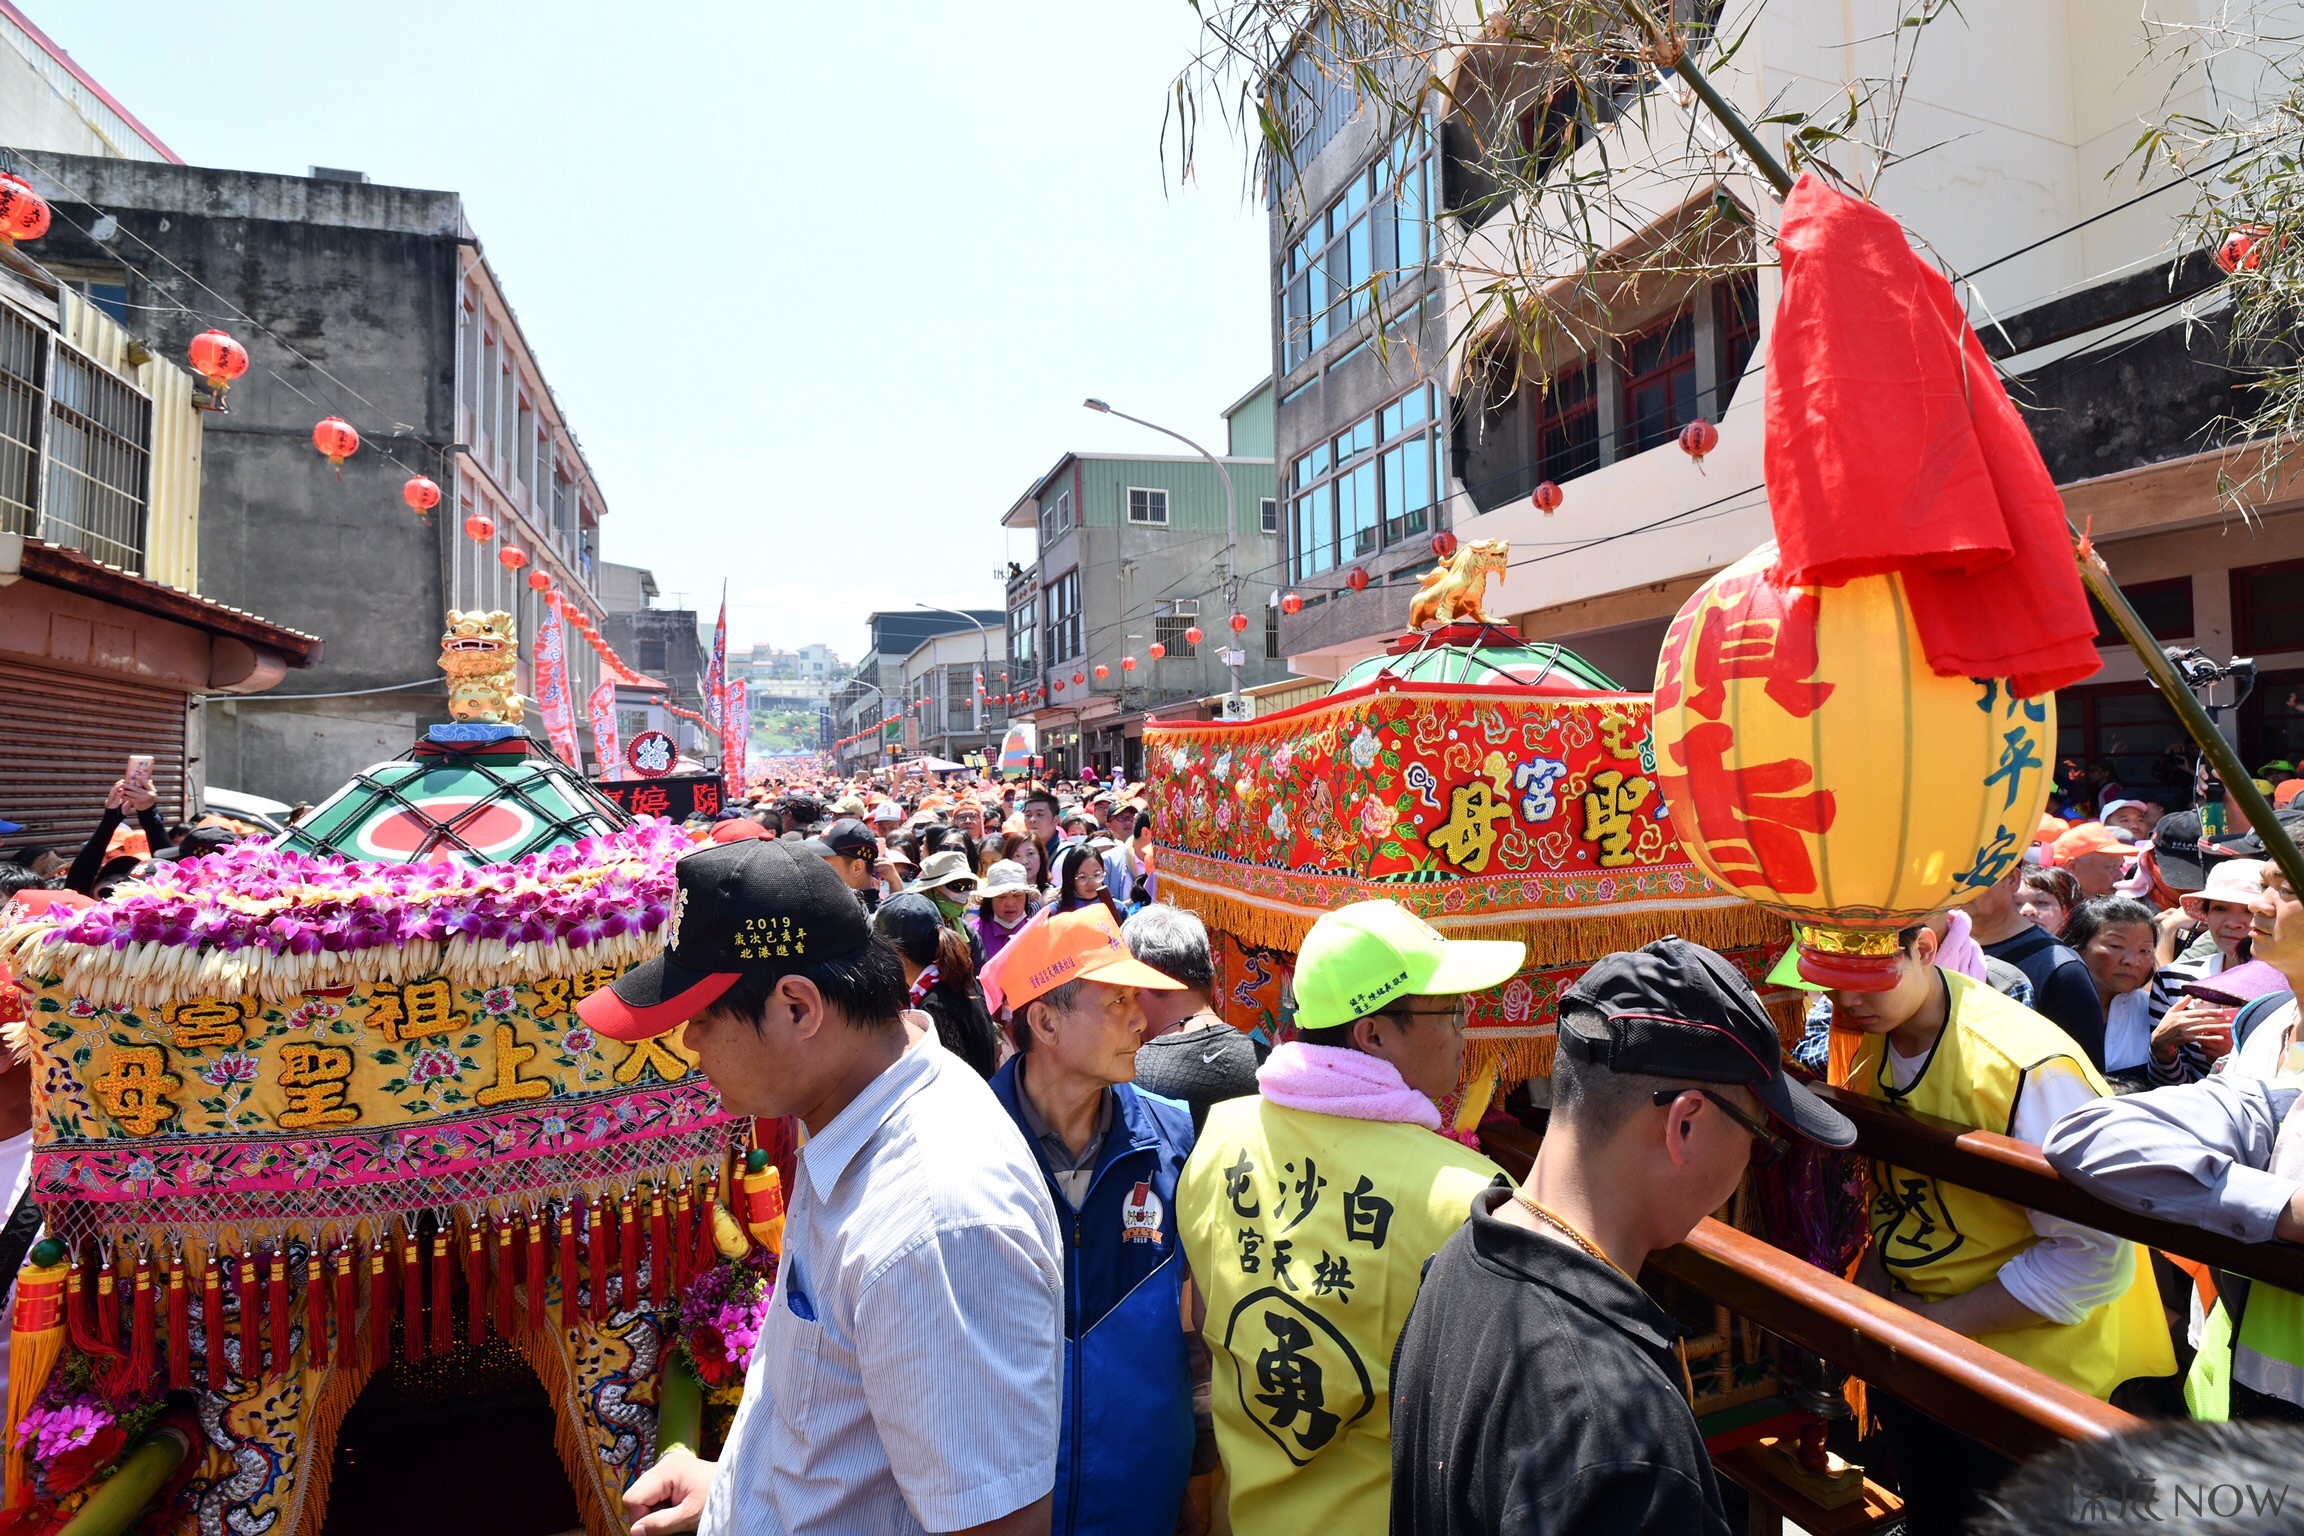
(420, 494)
(1356, 579)
(1239, 623)
(1078, 678)
(1191, 634)
(219, 359)
(2238, 253)
(1157, 649)
(1102, 671)
(1443, 544)
(1699, 438)
(1291, 604)
(1127, 663)
(479, 528)
(23, 212)
(540, 581)
(511, 558)
(336, 441)
(1546, 496)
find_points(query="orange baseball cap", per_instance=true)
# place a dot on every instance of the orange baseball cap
(2285, 792)
(1081, 945)
(2051, 828)
(2086, 838)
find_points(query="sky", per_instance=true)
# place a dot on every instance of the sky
(819, 287)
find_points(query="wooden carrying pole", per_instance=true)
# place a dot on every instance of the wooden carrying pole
(1670, 51)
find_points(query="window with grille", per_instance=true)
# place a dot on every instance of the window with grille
(1739, 303)
(23, 380)
(1659, 371)
(99, 462)
(1268, 514)
(1147, 506)
(1571, 422)
(1064, 617)
(1272, 632)
(1168, 628)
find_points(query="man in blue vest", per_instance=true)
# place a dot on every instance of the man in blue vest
(1110, 1154)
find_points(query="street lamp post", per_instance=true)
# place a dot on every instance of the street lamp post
(1232, 532)
(985, 667)
(875, 687)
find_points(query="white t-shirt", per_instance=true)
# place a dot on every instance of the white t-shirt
(15, 1178)
(2073, 1269)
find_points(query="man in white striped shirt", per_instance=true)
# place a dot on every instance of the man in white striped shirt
(910, 1375)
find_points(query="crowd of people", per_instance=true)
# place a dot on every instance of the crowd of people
(1068, 1252)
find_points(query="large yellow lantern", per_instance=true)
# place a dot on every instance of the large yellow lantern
(1812, 762)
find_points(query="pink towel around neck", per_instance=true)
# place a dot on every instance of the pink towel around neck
(1334, 1080)
(1959, 952)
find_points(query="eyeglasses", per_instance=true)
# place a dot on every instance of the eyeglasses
(1451, 1013)
(1767, 1146)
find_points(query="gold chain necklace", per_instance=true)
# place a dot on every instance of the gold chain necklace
(1566, 1229)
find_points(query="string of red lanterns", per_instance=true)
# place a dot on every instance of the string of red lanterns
(23, 212)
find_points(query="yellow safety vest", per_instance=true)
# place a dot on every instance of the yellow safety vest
(1938, 1239)
(2266, 1353)
(1308, 1236)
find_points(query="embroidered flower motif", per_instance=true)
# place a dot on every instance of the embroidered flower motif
(579, 1041)
(81, 1008)
(431, 1064)
(1278, 821)
(1376, 818)
(499, 1000)
(229, 1068)
(1364, 748)
(313, 1014)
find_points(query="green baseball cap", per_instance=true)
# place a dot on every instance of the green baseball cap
(1363, 958)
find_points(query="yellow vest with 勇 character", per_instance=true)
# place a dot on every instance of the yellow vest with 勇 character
(1937, 1239)
(1308, 1234)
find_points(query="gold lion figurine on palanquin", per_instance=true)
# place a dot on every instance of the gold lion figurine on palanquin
(480, 653)
(1455, 590)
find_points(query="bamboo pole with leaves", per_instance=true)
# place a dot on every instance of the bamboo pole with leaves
(1671, 51)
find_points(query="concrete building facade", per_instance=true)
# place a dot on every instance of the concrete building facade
(1130, 552)
(2110, 331)
(375, 304)
(875, 690)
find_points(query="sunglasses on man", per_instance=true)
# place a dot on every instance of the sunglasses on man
(1767, 1146)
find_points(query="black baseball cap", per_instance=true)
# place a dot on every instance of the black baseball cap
(2177, 849)
(2252, 846)
(757, 907)
(1677, 1010)
(847, 837)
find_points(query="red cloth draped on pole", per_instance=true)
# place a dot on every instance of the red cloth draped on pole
(1893, 447)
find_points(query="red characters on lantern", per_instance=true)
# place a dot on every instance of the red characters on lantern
(420, 494)
(219, 359)
(1291, 604)
(1443, 544)
(1102, 671)
(1699, 438)
(1356, 579)
(23, 212)
(336, 441)
(511, 558)
(1078, 678)
(1239, 623)
(1546, 497)
(540, 581)
(479, 528)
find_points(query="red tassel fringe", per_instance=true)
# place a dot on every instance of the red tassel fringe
(683, 1213)
(475, 1283)
(596, 1248)
(144, 1346)
(379, 1304)
(212, 1319)
(316, 1307)
(628, 1242)
(411, 1295)
(443, 1298)
(504, 1282)
(251, 1319)
(276, 1310)
(659, 1246)
(347, 1304)
(179, 1327)
(536, 1268)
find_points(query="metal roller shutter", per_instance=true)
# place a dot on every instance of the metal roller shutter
(65, 737)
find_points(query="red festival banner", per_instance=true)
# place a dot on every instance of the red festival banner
(716, 666)
(552, 691)
(735, 731)
(602, 706)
